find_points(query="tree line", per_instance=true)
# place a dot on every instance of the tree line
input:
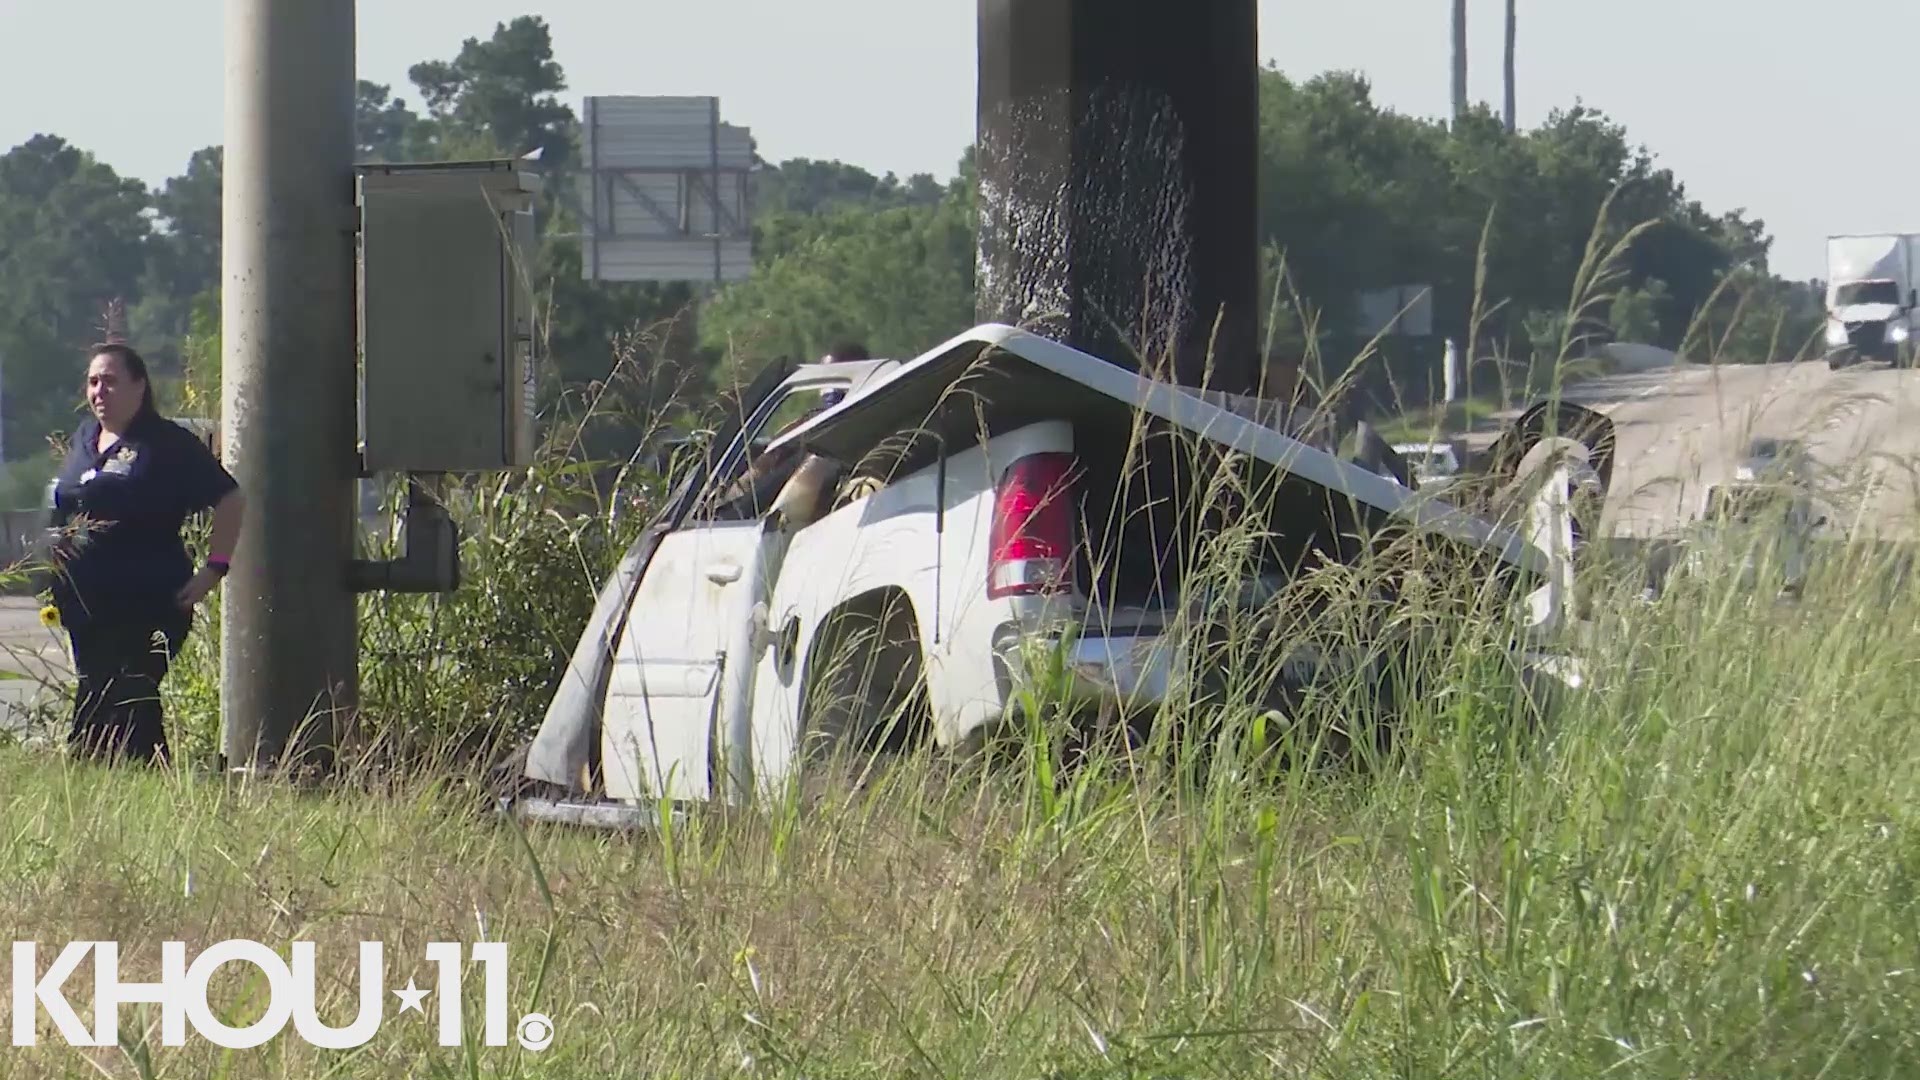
(1500, 224)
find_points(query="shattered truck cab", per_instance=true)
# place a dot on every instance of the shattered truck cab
(997, 497)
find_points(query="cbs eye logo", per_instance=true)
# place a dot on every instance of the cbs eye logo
(536, 1031)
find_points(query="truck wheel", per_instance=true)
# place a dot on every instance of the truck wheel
(866, 696)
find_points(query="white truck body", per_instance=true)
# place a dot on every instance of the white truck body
(697, 668)
(1873, 284)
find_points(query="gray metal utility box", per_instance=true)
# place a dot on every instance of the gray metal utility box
(446, 317)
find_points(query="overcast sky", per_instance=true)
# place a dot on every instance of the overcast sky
(1804, 121)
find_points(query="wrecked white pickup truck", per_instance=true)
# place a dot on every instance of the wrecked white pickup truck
(941, 526)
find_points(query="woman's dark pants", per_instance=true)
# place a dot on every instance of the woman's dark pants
(116, 709)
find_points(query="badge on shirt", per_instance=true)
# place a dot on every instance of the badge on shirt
(120, 462)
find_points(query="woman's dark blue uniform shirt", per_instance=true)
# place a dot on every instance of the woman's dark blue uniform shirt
(129, 560)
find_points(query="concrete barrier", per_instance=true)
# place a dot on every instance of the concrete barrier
(1627, 356)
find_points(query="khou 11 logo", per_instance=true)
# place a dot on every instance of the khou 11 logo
(181, 994)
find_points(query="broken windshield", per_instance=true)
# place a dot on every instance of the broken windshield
(1866, 292)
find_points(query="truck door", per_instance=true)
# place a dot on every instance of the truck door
(662, 692)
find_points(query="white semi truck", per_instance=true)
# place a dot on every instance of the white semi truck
(1872, 298)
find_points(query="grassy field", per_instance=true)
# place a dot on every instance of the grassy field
(1704, 866)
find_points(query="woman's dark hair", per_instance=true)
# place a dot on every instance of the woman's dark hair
(135, 366)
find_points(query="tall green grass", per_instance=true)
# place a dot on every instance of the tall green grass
(1703, 866)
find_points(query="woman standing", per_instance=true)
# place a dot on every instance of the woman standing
(122, 581)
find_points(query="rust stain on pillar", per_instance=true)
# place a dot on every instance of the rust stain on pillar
(1117, 157)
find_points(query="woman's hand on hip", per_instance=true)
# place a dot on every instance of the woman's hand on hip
(196, 589)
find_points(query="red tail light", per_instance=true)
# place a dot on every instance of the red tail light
(1032, 537)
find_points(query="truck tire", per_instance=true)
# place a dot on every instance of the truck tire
(865, 695)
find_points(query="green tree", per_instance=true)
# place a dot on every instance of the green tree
(73, 238)
(898, 278)
(807, 186)
(1756, 318)
(385, 128)
(501, 95)
(183, 264)
(1347, 190)
(1635, 312)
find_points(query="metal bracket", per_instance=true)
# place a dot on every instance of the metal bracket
(430, 559)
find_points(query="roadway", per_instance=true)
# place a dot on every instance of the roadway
(1682, 429)
(33, 662)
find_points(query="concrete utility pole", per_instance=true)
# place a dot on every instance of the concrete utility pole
(289, 654)
(1117, 158)
(1459, 60)
(1513, 34)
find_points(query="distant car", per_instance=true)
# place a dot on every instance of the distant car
(1433, 464)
